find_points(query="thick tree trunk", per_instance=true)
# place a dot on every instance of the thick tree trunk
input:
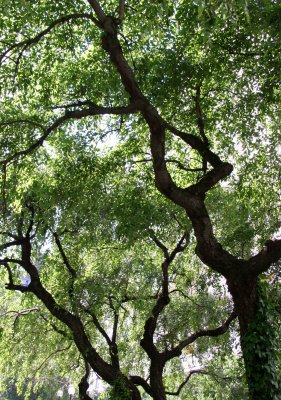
(156, 381)
(256, 338)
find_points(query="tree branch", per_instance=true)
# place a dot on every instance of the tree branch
(176, 351)
(159, 244)
(64, 257)
(181, 386)
(107, 371)
(98, 325)
(114, 347)
(139, 381)
(26, 43)
(199, 115)
(51, 355)
(20, 312)
(54, 326)
(83, 385)
(98, 10)
(163, 299)
(75, 114)
(121, 10)
(270, 254)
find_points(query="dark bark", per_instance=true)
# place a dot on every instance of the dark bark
(109, 372)
(84, 384)
(241, 274)
(156, 378)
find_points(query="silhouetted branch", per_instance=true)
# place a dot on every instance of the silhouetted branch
(83, 385)
(75, 114)
(28, 42)
(192, 372)
(176, 351)
(64, 257)
(139, 381)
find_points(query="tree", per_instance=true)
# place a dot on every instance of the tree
(194, 76)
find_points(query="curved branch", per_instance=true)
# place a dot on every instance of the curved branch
(108, 372)
(270, 254)
(181, 386)
(93, 110)
(26, 43)
(139, 381)
(176, 351)
(83, 385)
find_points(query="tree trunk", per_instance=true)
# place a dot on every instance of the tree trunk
(257, 337)
(156, 381)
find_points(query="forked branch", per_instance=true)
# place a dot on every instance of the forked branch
(163, 298)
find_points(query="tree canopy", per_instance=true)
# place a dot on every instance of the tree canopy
(140, 198)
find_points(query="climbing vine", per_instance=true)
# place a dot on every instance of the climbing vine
(119, 391)
(259, 349)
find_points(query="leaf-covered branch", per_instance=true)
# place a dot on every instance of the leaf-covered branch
(93, 110)
(181, 386)
(28, 42)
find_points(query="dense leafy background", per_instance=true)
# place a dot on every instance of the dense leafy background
(92, 180)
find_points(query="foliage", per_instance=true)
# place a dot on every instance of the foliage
(91, 251)
(261, 338)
